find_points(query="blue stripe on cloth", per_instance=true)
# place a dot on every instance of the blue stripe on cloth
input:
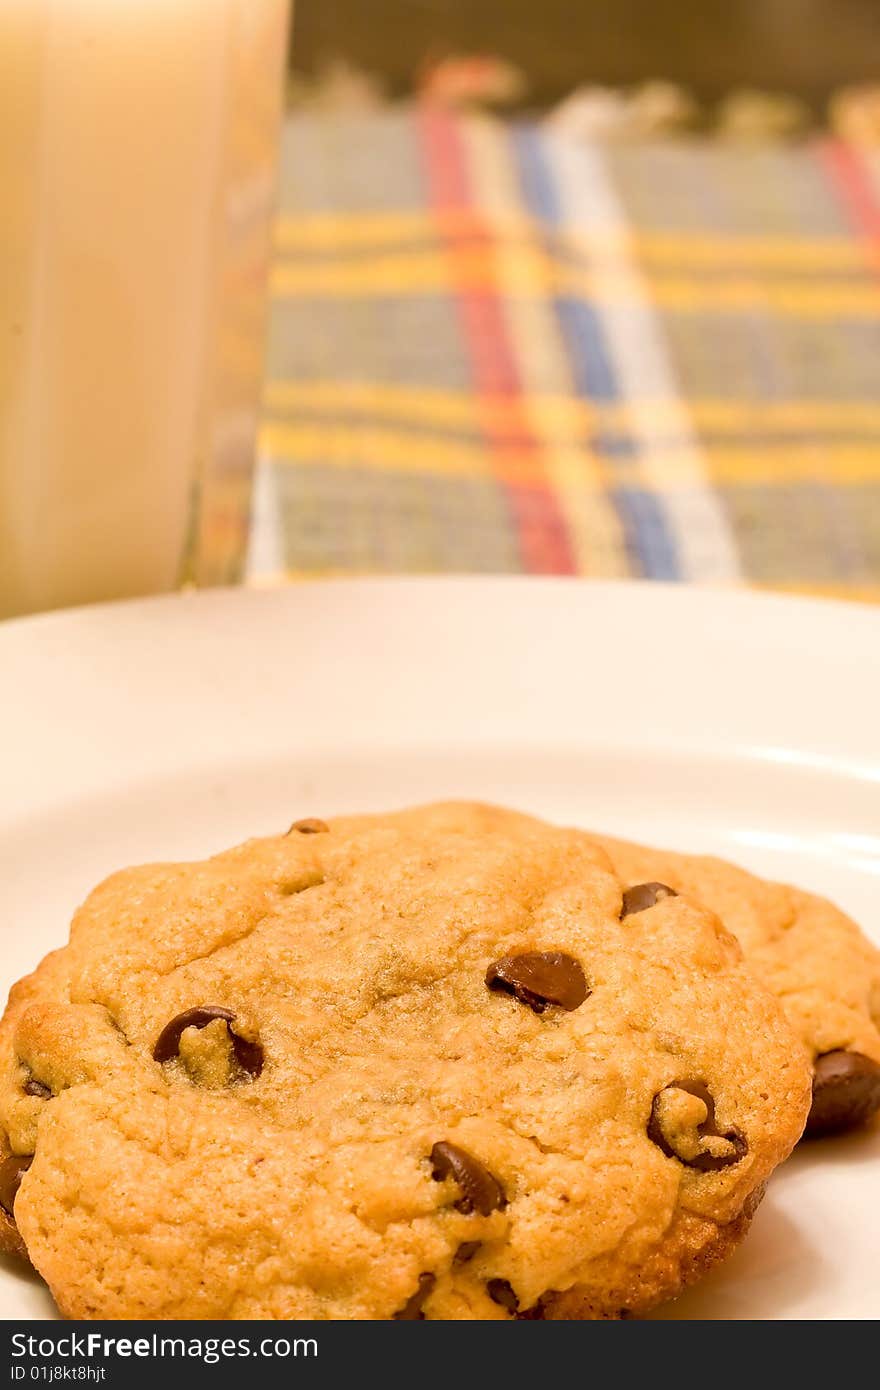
(591, 367)
(648, 538)
(648, 542)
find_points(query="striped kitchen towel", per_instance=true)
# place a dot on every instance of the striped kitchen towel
(496, 350)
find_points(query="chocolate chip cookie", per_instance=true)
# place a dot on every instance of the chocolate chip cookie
(414, 1066)
(814, 957)
(822, 967)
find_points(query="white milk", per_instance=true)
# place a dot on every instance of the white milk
(137, 144)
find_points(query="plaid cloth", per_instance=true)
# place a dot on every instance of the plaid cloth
(496, 350)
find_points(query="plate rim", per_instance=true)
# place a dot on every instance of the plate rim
(679, 592)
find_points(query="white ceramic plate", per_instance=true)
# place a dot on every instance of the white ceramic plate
(740, 724)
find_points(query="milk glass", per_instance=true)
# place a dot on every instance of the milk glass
(137, 160)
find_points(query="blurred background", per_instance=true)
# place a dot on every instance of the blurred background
(806, 48)
(578, 288)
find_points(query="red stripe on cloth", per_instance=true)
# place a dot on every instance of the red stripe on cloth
(849, 176)
(543, 538)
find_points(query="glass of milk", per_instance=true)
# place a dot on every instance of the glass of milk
(138, 142)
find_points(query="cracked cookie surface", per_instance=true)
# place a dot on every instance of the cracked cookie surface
(403, 1066)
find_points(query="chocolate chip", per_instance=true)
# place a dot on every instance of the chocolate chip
(248, 1055)
(705, 1162)
(33, 1087)
(480, 1190)
(846, 1092)
(466, 1251)
(500, 1292)
(412, 1309)
(538, 1310)
(12, 1170)
(309, 826)
(539, 978)
(644, 895)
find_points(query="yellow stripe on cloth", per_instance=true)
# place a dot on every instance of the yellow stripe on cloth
(530, 270)
(331, 232)
(856, 593)
(770, 465)
(777, 465)
(369, 447)
(391, 451)
(565, 417)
